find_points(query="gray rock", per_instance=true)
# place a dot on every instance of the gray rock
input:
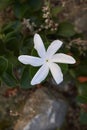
(44, 110)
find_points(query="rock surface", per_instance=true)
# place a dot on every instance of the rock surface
(44, 110)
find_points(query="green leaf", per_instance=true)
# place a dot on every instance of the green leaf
(9, 79)
(66, 29)
(33, 71)
(10, 68)
(20, 9)
(64, 68)
(13, 47)
(12, 59)
(3, 65)
(2, 48)
(13, 41)
(83, 118)
(25, 79)
(82, 93)
(10, 35)
(80, 71)
(4, 3)
(72, 73)
(56, 10)
(82, 89)
(81, 99)
(12, 26)
(8, 76)
(35, 5)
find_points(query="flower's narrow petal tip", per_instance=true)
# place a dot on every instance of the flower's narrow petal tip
(39, 46)
(59, 81)
(21, 58)
(55, 45)
(36, 34)
(63, 58)
(32, 83)
(59, 42)
(30, 60)
(56, 72)
(73, 61)
(40, 75)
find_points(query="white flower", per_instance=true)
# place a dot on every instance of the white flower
(47, 60)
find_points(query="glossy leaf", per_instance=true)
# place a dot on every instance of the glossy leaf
(81, 99)
(25, 79)
(9, 79)
(12, 26)
(8, 76)
(20, 9)
(3, 65)
(2, 48)
(66, 29)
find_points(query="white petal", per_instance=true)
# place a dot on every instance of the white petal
(40, 75)
(63, 58)
(34, 61)
(56, 72)
(39, 46)
(52, 49)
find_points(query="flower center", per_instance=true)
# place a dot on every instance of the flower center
(47, 60)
